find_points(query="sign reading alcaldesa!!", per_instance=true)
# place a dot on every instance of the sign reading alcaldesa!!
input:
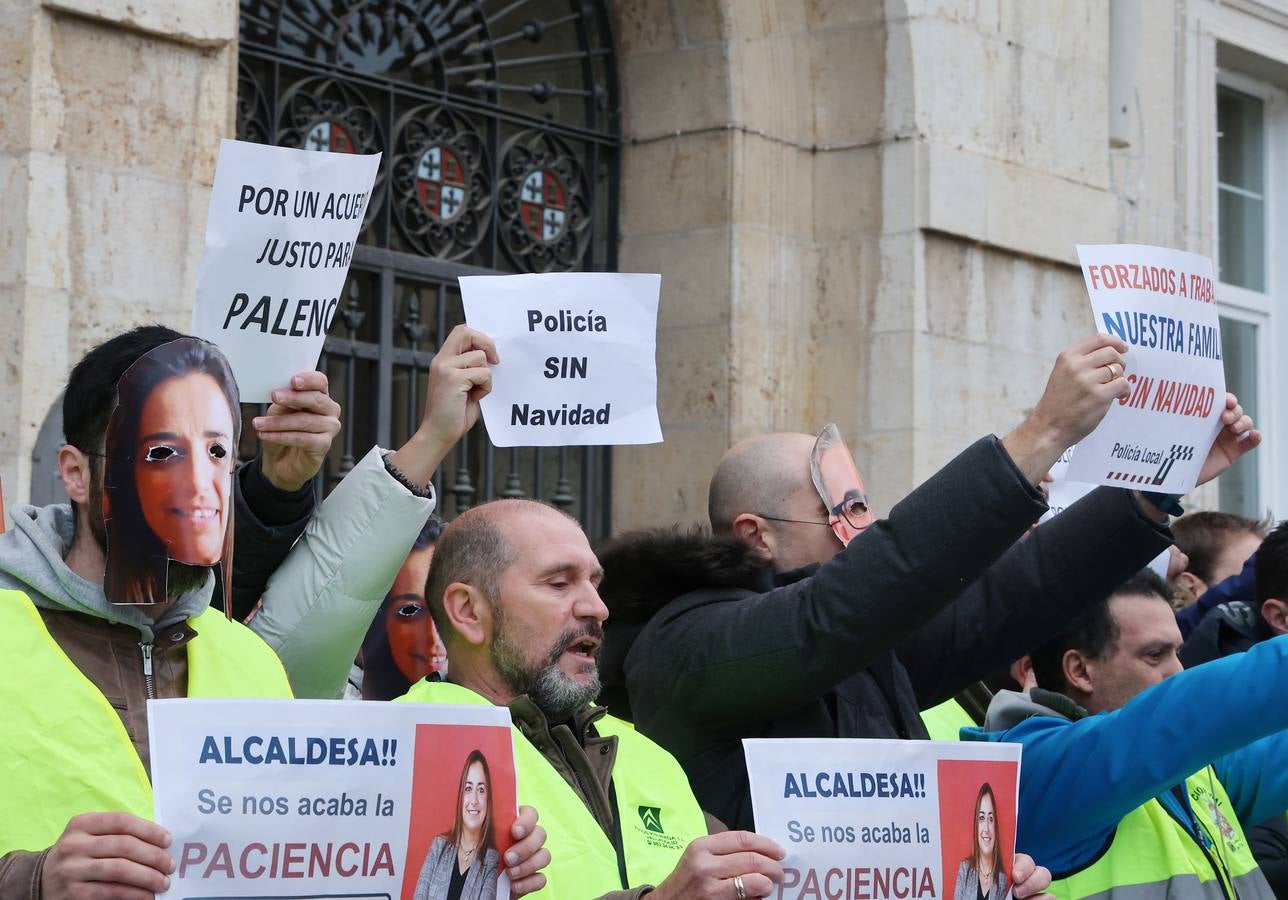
(578, 357)
(279, 239)
(885, 820)
(316, 798)
(1163, 304)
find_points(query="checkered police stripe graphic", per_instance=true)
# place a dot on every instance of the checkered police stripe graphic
(1127, 477)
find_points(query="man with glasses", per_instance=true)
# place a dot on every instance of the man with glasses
(805, 616)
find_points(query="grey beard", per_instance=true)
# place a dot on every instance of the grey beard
(555, 693)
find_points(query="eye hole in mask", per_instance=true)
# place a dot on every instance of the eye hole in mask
(160, 453)
(839, 484)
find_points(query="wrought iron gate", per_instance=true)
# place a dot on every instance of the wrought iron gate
(498, 120)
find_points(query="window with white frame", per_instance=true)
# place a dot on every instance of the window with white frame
(1251, 214)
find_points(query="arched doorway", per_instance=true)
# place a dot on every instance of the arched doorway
(499, 125)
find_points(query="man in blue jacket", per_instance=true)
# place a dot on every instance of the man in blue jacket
(1136, 774)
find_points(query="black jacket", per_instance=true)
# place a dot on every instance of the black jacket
(1229, 628)
(267, 523)
(706, 646)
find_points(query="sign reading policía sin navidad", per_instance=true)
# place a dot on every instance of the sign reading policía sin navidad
(578, 357)
(1162, 303)
(279, 240)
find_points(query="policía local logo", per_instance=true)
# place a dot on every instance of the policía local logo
(1178, 452)
(651, 816)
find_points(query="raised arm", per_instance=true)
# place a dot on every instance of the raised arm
(895, 576)
(1036, 590)
(1105, 766)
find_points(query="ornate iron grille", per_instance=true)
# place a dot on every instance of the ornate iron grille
(498, 120)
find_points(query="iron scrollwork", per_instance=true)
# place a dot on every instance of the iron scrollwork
(543, 203)
(441, 182)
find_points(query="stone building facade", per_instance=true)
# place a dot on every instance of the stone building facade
(863, 212)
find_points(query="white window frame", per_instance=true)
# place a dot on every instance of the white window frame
(1269, 310)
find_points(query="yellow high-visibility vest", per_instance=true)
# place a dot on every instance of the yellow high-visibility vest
(945, 721)
(63, 748)
(1153, 857)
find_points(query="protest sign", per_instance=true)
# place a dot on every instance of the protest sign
(578, 357)
(1162, 303)
(1063, 493)
(869, 820)
(279, 239)
(273, 798)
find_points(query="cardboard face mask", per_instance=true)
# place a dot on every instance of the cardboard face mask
(168, 492)
(837, 480)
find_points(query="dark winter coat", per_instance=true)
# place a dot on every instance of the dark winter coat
(706, 645)
(1229, 628)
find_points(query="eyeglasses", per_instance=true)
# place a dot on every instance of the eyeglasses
(797, 521)
(854, 510)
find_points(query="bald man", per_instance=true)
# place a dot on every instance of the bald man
(513, 591)
(769, 628)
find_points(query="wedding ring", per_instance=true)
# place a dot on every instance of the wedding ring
(738, 888)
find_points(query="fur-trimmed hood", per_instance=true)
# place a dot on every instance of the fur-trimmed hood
(645, 570)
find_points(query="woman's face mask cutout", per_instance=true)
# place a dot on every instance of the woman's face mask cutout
(171, 448)
(837, 480)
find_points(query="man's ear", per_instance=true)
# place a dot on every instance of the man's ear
(74, 469)
(754, 531)
(1192, 583)
(1275, 612)
(469, 612)
(1077, 674)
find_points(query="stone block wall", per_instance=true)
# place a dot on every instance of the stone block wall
(110, 118)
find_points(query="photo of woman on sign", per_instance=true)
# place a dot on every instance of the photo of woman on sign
(982, 875)
(171, 446)
(462, 863)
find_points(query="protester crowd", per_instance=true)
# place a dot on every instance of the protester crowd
(633, 673)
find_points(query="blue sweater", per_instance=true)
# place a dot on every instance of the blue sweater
(1078, 779)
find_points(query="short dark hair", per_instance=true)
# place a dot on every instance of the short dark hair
(1202, 536)
(429, 533)
(1272, 566)
(1095, 634)
(91, 387)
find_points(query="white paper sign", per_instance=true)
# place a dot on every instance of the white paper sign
(578, 357)
(296, 798)
(862, 818)
(279, 239)
(1063, 493)
(1162, 303)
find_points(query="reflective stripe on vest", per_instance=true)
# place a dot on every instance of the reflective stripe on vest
(63, 748)
(945, 721)
(1153, 856)
(658, 813)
